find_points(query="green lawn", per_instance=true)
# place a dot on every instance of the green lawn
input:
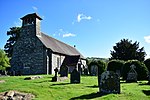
(44, 89)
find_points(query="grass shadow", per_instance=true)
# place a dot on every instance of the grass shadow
(94, 86)
(146, 92)
(89, 96)
(43, 81)
(60, 84)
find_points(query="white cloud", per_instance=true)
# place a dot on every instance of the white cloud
(83, 17)
(62, 33)
(34, 8)
(147, 39)
(69, 35)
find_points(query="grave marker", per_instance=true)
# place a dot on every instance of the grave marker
(132, 74)
(54, 79)
(75, 76)
(63, 71)
(109, 82)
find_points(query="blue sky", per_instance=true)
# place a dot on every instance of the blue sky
(94, 26)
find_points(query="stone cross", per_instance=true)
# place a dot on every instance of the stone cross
(56, 71)
(132, 66)
(54, 79)
(132, 74)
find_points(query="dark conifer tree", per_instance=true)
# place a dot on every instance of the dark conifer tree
(126, 50)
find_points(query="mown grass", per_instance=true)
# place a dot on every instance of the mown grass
(44, 89)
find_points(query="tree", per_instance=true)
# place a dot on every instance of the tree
(14, 33)
(126, 50)
(4, 60)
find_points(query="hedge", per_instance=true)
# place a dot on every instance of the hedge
(141, 69)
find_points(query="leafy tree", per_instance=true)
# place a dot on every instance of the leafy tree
(126, 50)
(14, 34)
(4, 60)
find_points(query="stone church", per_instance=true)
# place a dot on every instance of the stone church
(37, 53)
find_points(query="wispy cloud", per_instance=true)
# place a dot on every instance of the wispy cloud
(63, 33)
(147, 39)
(69, 35)
(83, 17)
(18, 23)
(34, 8)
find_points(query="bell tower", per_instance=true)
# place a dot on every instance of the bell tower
(31, 25)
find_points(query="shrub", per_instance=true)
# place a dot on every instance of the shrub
(100, 64)
(141, 69)
(114, 65)
(147, 63)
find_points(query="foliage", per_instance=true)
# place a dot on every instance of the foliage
(100, 64)
(4, 60)
(44, 89)
(126, 50)
(114, 65)
(14, 35)
(147, 63)
(141, 69)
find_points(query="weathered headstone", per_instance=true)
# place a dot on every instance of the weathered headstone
(132, 74)
(63, 71)
(94, 70)
(109, 82)
(75, 76)
(149, 78)
(54, 79)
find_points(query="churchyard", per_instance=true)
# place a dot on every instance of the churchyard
(44, 89)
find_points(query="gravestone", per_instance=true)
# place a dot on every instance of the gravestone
(75, 76)
(54, 79)
(63, 71)
(132, 74)
(149, 78)
(109, 82)
(94, 70)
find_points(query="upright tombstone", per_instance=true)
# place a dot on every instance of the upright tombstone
(132, 74)
(149, 78)
(94, 70)
(63, 71)
(109, 82)
(75, 76)
(54, 79)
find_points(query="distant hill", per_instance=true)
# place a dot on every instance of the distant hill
(97, 58)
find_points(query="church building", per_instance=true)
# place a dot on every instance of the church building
(37, 53)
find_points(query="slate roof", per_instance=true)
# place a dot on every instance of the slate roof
(32, 15)
(58, 46)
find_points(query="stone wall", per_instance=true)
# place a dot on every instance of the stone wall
(28, 53)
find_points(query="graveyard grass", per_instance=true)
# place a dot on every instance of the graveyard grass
(44, 89)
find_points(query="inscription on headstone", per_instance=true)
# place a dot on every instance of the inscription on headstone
(109, 82)
(132, 74)
(75, 76)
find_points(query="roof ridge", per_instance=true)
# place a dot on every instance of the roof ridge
(58, 40)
